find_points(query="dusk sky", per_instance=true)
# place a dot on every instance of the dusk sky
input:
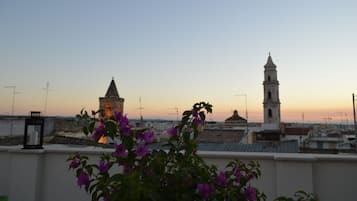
(175, 53)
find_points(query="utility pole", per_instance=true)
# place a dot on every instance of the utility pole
(354, 119)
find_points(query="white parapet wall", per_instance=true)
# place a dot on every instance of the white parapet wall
(15, 126)
(43, 175)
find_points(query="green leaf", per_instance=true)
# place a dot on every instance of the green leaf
(202, 116)
(187, 113)
(117, 176)
(91, 127)
(85, 130)
(112, 128)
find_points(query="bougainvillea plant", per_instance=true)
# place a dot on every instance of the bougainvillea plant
(299, 196)
(135, 171)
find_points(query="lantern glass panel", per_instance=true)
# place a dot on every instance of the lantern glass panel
(33, 134)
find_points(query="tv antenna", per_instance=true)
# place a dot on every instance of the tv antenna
(246, 106)
(14, 92)
(140, 108)
(46, 97)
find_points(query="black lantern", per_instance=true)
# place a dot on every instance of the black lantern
(34, 126)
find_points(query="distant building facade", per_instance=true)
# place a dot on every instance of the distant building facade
(271, 97)
(221, 136)
(111, 102)
(295, 132)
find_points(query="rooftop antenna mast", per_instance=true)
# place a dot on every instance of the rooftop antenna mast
(14, 92)
(346, 119)
(140, 108)
(246, 106)
(46, 90)
(177, 112)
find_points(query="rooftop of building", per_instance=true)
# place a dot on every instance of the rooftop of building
(235, 117)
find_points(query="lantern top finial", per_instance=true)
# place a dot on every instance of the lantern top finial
(35, 114)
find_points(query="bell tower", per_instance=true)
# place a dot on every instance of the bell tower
(112, 102)
(271, 96)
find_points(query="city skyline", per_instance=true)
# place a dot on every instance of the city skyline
(173, 54)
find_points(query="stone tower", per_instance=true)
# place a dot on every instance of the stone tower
(271, 96)
(111, 102)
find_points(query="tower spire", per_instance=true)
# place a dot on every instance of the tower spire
(112, 90)
(270, 62)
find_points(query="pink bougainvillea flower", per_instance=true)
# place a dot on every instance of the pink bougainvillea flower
(222, 179)
(98, 132)
(148, 136)
(142, 150)
(172, 132)
(197, 121)
(250, 176)
(83, 179)
(74, 164)
(120, 151)
(194, 113)
(250, 194)
(103, 167)
(238, 176)
(205, 190)
(125, 127)
(124, 120)
(118, 116)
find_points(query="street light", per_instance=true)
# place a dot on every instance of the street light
(246, 108)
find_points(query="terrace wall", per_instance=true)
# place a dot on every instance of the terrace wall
(43, 175)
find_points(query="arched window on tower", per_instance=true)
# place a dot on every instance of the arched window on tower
(268, 77)
(270, 113)
(269, 95)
